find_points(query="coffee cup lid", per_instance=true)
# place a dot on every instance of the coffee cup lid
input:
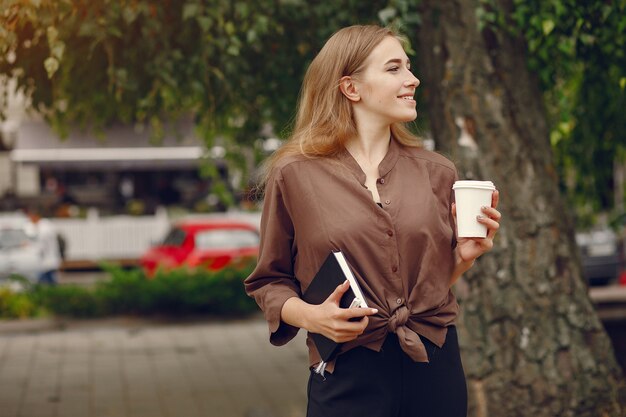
(485, 185)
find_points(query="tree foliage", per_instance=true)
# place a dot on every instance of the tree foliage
(235, 66)
(98, 62)
(238, 65)
(578, 52)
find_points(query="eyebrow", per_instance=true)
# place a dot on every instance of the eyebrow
(396, 61)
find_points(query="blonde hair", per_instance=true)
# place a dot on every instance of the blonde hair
(324, 118)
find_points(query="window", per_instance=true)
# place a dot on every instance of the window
(226, 239)
(175, 237)
(12, 238)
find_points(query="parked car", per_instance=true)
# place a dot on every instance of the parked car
(19, 252)
(602, 258)
(211, 244)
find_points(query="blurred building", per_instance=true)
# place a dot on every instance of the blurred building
(121, 170)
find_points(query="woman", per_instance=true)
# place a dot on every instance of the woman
(352, 178)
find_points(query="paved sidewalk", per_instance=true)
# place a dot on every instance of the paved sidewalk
(133, 368)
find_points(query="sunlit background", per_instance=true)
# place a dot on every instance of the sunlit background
(131, 136)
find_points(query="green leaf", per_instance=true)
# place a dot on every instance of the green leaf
(88, 29)
(547, 26)
(218, 73)
(413, 19)
(51, 64)
(480, 17)
(587, 39)
(205, 23)
(57, 50)
(232, 50)
(229, 28)
(251, 36)
(622, 83)
(115, 31)
(52, 34)
(190, 10)
(129, 14)
(387, 14)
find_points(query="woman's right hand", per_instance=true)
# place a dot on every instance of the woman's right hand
(333, 321)
(327, 318)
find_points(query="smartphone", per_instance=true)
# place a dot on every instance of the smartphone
(355, 303)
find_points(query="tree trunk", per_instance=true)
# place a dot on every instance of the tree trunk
(532, 343)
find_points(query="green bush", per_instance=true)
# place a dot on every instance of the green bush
(177, 291)
(68, 300)
(127, 292)
(16, 305)
(174, 292)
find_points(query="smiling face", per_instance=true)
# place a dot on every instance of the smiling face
(386, 87)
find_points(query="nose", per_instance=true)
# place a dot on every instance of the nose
(413, 81)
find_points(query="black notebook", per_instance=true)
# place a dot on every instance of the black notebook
(333, 272)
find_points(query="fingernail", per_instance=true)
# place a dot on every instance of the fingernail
(484, 207)
(480, 217)
(374, 311)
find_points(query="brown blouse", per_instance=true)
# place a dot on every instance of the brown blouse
(401, 254)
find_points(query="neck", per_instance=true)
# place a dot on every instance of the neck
(371, 143)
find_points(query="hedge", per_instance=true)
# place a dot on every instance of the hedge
(130, 292)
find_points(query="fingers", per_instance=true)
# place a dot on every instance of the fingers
(349, 313)
(495, 198)
(491, 217)
(494, 214)
(336, 295)
(348, 330)
(491, 213)
(490, 223)
(492, 228)
(343, 324)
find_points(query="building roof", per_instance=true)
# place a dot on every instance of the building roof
(122, 146)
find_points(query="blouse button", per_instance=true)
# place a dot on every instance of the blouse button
(387, 202)
(399, 301)
(389, 232)
(394, 269)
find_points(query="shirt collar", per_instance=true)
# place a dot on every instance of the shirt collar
(386, 165)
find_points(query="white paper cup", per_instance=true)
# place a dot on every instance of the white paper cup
(470, 197)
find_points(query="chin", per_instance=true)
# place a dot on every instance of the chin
(407, 119)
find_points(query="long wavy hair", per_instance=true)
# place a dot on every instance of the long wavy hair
(324, 119)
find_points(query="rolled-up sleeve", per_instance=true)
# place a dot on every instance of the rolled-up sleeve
(272, 282)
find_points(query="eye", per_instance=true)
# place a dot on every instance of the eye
(393, 69)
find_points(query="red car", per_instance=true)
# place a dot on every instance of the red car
(210, 244)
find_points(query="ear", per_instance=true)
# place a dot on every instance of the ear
(349, 89)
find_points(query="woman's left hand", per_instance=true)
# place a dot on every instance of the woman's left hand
(470, 248)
